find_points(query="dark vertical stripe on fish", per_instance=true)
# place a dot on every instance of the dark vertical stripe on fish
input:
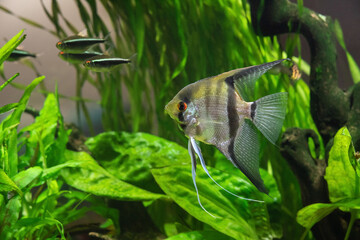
(218, 134)
(181, 117)
(230, 82)
(233, 119)
(253, 109)
(207, 101)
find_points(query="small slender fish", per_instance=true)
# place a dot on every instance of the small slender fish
(18, 54)
(77, 44)
(104, 63)
(77, 58)
(217, 111)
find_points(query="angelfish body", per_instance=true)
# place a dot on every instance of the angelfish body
(216, 111)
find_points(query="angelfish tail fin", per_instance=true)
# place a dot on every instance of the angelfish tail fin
(268, 114)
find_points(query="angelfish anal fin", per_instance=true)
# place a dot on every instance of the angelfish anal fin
(197, 150)
(243, 151)
(193, 172)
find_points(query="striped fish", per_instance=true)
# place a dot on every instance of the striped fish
(18, 54)
(217, 111)
(77, 58)
(77, 44)
(104, 63)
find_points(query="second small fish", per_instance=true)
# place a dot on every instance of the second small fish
(18, 54)
(77, 44)
(104, 63)
(77, 58)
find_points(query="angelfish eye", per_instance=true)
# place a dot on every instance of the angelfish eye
(182, 106)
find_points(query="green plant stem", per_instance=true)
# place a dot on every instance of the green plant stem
(353, 213)
(303, 236)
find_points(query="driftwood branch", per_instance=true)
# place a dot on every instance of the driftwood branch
(331, 107)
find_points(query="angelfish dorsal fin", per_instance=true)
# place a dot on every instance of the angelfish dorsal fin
(243, 79)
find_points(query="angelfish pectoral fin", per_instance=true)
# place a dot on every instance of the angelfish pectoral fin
(197, 150)
(193, 174)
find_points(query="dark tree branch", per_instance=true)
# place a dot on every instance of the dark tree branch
(310, 173)
(273, 17)
(331, 108)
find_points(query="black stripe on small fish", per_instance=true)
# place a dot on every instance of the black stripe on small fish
(253, 109)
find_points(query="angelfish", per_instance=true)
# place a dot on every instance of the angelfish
(217, 111)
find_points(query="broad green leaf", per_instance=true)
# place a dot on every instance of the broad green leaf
(7, 185)
(24, 178)
(130, 156)
(176, 182)
(313, 213)
(340, 174)
(92, 178)
(200, 235)
(7, 49)
(9, 216)
(169, 217)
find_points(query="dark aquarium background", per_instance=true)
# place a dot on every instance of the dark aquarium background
(88, 155)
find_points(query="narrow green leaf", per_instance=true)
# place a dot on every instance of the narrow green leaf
(313, 213)
(339, 34)
(354, 68)
(7, 185)
(8, 107)
(32, 23)
(6, 10)
(35, 223)
(7, 49)
(8, 81)
(92, 178)
(14, 118)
